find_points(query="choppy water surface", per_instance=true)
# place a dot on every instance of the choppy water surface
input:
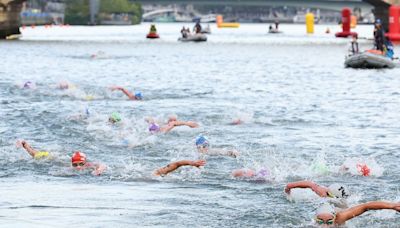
(300, 108)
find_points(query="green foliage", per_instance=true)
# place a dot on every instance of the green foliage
(120, 7)
(77, 12)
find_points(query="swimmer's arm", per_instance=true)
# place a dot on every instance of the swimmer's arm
(167, 128)
(355, 211)
(28, 148)
(175, 165)
(321, 191)
(216, 152)
(185, 123)
(125, 91)
(98, 169)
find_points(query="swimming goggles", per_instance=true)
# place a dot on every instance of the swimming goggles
(78, 164)
(327, 222)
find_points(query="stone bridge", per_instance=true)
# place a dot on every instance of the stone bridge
(10, 9)
(10, 17)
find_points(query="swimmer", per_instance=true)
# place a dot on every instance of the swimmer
(335, 191)
(64, 85)
(136, 96)
(171, 124)
(79, 163)
(175, 165)
(361, 169)
(236, 121)
(203, 147)
(328, 217)
(29, 85)
(115, 118)
(34, 153)
(262, 173)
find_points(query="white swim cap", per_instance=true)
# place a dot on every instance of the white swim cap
(338, 191)
(325, 209)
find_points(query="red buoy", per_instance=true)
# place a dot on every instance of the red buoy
(394, 23)
(346, 20)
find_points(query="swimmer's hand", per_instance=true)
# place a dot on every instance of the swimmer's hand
(287, 190)
(198, 163)
(99, 169)
(20, 143)
(233, 153)
(396, 207)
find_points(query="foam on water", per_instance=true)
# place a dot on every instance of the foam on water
(304, 116)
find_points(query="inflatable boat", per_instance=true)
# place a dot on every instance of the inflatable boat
(274, 31)
(368, 60)
(152, 36)
(194, 38)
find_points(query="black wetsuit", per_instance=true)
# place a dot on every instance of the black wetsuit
(379, 36)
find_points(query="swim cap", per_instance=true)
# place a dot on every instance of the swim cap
(325, 209)
(263, 173)
(154, 128)
(338, 191)
(202, 141)
(115, 117)
(378, 21)
(363, 169)
(27, 84)
(78, 157)
(138, 95)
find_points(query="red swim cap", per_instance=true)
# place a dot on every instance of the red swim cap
(78, 157)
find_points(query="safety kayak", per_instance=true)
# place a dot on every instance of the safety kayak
(152, 36)
(194, 38)
(368, 60)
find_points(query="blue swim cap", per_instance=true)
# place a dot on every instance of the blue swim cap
(378, 21)
(138, 95)
(202, 141)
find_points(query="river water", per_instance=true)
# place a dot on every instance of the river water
(300, 107)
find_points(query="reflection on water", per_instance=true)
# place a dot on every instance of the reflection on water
(302, 115)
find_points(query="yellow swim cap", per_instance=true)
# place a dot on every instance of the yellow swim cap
(41, 155)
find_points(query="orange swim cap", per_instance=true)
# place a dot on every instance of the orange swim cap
(78, 157)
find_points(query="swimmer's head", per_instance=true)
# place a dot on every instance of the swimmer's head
(325, 215)
(28, 85)
(138, 95)
(154, 128)
(172, 117)
(63, 85)
(338, 191)
(243, 173)
(202, 142)
(115, 117)
(78, 159)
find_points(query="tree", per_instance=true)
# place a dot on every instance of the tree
(77, 12)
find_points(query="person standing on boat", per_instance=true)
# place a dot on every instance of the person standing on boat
(184, 32)
(197, 28)
(354, 45)
(379, 36)
(276, 25)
